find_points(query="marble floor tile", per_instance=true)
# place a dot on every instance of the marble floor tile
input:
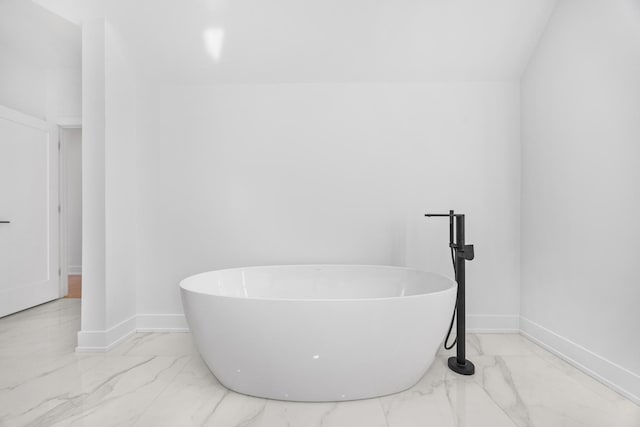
(119, 398)
(49, 313)
(156, 344)
(534, 392)
(367, 412)
(89, 392)
(48, 329)
(235, 409)
(443, 398)
(159, 379)
(191, 399)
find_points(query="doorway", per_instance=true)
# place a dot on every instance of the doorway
(71, 210)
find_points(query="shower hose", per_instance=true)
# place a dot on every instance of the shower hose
(455, 308)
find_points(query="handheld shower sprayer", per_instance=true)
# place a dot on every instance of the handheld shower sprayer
(461, 253)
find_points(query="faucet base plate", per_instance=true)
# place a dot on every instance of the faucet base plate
(467, 368)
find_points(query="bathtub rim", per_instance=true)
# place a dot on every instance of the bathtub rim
(454, 284)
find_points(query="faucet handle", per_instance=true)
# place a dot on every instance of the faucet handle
(467, 252)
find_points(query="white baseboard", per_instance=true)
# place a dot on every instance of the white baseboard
(73, 270)
(101, 341)
(161, 323)
(97, 341)
(609, 373)
(494, 324)
(475, 323)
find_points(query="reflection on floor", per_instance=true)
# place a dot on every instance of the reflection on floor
(159, 380)
(75, 286)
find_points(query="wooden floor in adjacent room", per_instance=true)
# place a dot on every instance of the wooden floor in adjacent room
(75, 286)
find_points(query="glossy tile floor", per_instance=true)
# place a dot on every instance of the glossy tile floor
(159, 380)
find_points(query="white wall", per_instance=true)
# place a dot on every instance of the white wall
(120, 182)
(40, 71)
(45, 93)
(239, 175)
(72, 139)
(94, 306)
(580, 189)
(64, 93)
(316, 162)
(23, 86)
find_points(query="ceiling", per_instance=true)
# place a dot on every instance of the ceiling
(296, 41)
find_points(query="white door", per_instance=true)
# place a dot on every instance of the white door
(29, 273)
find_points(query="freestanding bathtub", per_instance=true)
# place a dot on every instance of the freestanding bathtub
(318, 332)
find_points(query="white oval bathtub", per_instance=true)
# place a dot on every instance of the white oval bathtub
(318, 332)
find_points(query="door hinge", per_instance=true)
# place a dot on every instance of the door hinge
(59, 209)
(59, 272)
(58, 145)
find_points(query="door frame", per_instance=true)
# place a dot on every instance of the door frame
(62, 124)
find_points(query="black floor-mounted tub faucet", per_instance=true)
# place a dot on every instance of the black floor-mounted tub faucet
(461, 253)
